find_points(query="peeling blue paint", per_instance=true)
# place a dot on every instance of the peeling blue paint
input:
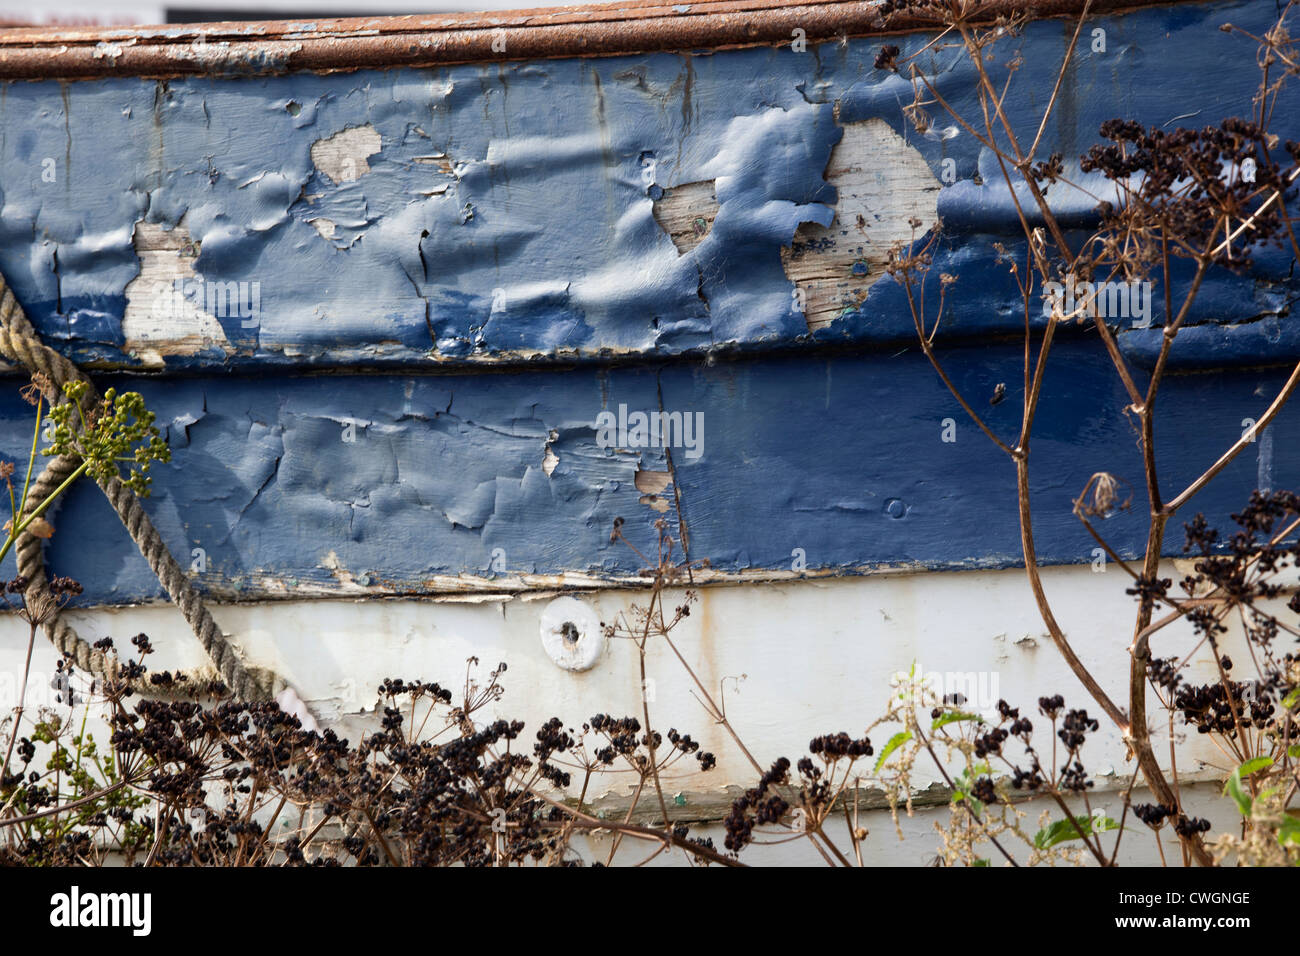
(841, 456)
(558, 161)
(508, 216)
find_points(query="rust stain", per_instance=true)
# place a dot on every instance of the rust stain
(706, 668)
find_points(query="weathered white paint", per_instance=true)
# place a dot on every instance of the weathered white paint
(571, 634)
(790, 661)
(159, 320)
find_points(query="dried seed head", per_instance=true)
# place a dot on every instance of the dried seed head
(1104, 489)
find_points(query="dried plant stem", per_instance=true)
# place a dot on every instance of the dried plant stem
(22, 699)
(943, 771)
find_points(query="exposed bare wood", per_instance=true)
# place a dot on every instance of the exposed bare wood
(883, 184)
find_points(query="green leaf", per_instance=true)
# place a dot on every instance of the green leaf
(1291, 699)
(1254, 766)
(953, 717)
(1288, 830)
(1238, 793)
(975, 804)
(981, 769)
(962, 785)
(896, 741)
(1063, 831)
(982, 861)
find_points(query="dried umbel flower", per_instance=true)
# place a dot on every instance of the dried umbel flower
(1049, 170)
(62, 585)
(984, 791)
(39, 387)
(1153, 814)
(399, 795)
(757, 806)
(1205, 193)
(1187, 826)
(887, 58)
(1105, 501)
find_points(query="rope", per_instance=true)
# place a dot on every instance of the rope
(19, 342)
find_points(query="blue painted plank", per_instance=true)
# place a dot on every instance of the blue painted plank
(543, 247)
(841, 456)
(538, 239)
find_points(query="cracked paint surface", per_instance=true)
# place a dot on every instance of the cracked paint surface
(406, 222)
(506, 211)
(420, 485)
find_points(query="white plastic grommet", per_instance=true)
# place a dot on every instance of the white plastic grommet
(571, 634)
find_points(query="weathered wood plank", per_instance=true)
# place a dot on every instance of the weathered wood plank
(561, 210)
(496, 484)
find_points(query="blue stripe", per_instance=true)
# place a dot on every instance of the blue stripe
(839, 456)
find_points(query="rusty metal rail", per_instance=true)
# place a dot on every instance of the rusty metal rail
(330, 45)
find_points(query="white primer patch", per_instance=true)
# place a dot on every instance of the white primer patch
(154, 329)
(342, 157)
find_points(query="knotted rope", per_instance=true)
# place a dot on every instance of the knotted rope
(19, 342)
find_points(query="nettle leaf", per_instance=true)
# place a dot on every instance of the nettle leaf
(896, 741)
(1255, 766)
(954, 717)
(962, 785)
(1062, 831)
(1237, 790)
(1238, 793)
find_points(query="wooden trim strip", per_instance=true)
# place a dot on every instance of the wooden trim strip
(331, 45)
